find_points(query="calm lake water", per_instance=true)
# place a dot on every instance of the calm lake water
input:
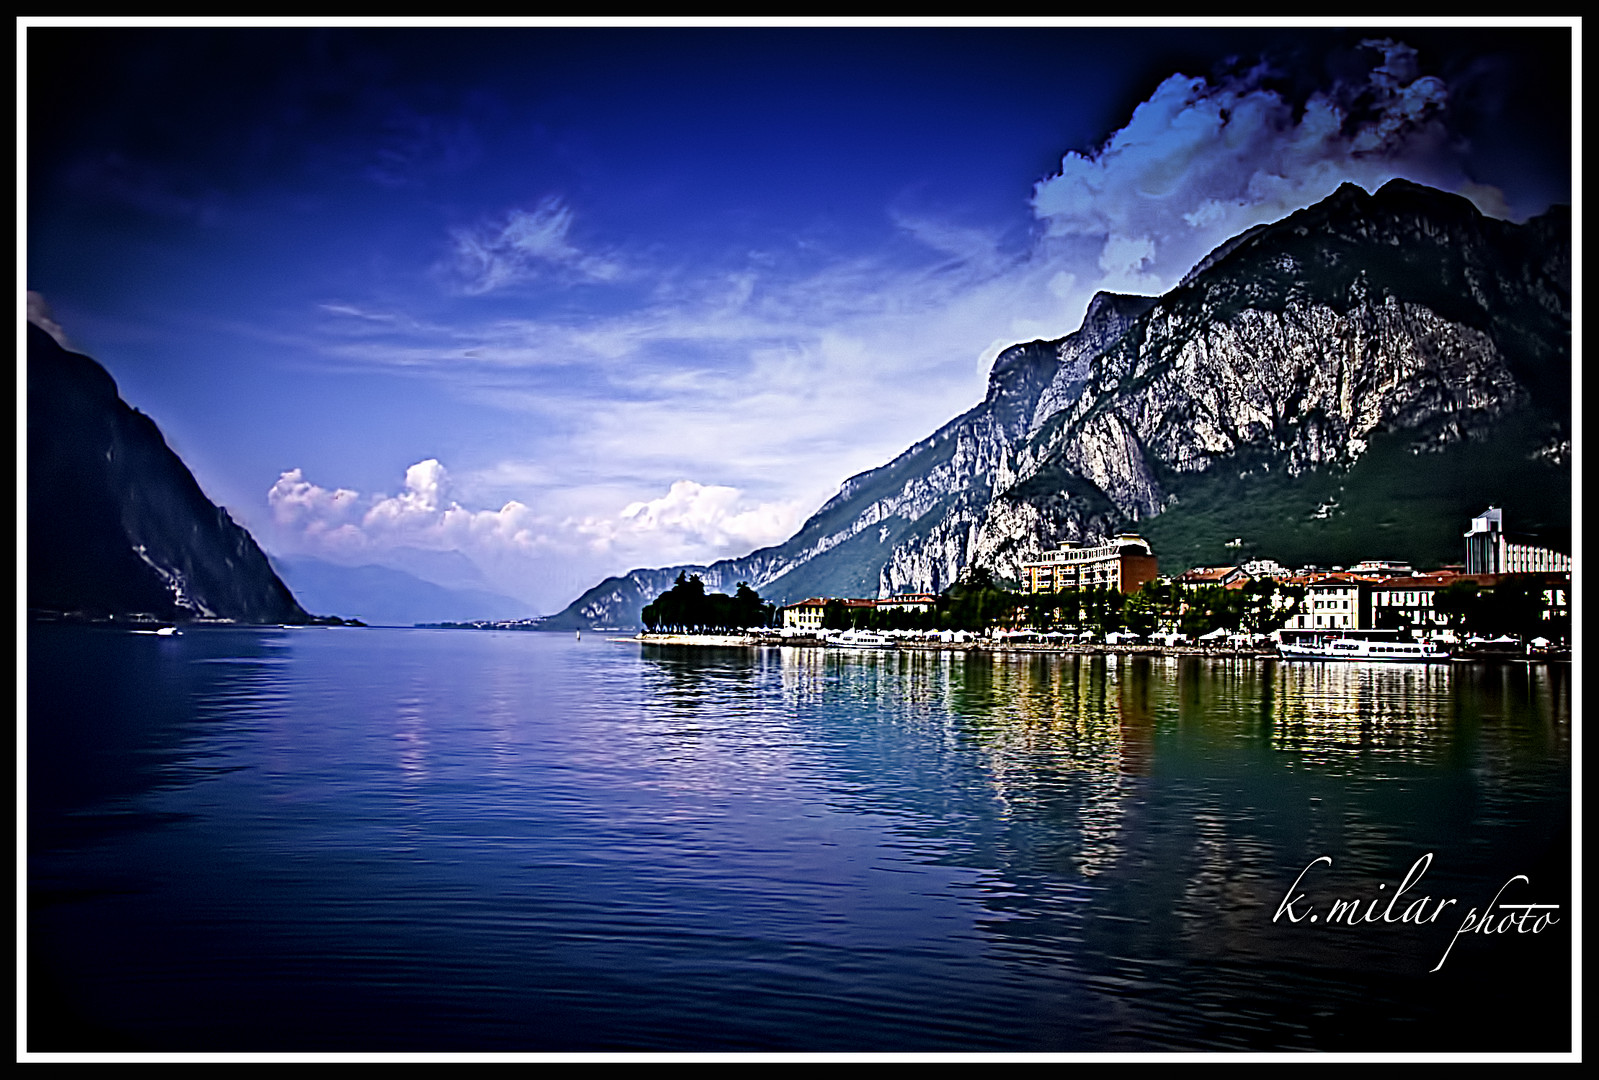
(337, 839)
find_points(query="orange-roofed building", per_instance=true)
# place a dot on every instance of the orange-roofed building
(1123, 562)
(1213, 575)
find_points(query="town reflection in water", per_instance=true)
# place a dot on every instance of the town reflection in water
(1101, 712)
(1073, 738)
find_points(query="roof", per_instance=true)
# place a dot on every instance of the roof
(1209, 573)
(1416, 581)
(1338, 579)
(823, 601)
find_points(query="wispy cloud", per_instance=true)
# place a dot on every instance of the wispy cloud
(524, 243)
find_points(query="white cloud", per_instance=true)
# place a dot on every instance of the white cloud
(297, 502)
(423, 514)
(711, 518)
(492, 255)
(516, 547)
(1200, 161)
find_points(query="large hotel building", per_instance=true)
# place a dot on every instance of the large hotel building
(1491, 550)
(1124, 562)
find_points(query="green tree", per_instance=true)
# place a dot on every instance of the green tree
(687, 608)
(975, 602)
(835, 616)
(1141, 611)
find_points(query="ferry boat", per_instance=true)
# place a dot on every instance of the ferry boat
(861, 639)
(1361, 649)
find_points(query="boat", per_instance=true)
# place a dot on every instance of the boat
(1362, 649)
(861, 639)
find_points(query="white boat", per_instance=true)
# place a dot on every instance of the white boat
(1361, 649)
(861, 639)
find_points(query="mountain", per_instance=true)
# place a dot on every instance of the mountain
(449, 569)
(384, 596)
(1362, 376)
(117, 525)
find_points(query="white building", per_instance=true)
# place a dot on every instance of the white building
(1336, 602)
(1491, 550)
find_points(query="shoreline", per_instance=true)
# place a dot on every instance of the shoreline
(753, 641)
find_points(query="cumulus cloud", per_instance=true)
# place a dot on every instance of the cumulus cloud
(423, 514)
(515, 546)
(495, 254)
(298, 502)
(699, 517)
(1200, 161)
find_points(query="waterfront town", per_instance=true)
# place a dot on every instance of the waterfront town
(1511, 591)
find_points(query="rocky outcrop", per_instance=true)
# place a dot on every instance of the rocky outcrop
(1403, 311)
(117, 525)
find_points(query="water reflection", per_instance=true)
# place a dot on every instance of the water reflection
(1147, 814)
(516, 841)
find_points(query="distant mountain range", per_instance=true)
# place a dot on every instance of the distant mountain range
(117, 525)
(1354, 381)
(385, 596)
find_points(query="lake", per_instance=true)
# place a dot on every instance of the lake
(321, 839)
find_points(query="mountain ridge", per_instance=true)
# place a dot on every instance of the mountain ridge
(117, 525)
(1289, 348)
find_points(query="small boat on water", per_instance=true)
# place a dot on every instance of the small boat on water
(861, 639)
(1361, 649)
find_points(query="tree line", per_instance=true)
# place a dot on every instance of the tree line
(686, 608)
(978, 602)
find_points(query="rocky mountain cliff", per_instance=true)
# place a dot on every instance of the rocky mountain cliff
(117, 525)
(1403, 316)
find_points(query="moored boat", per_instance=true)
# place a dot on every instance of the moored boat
(1362, 649)
(861, 639)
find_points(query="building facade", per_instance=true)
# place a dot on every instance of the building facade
(808, 614)
(1400, 603)
(908, 602)
(1124, 563)
(1491, 550)
(805, 615)
(1336, 602)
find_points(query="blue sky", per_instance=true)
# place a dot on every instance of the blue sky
(569, 301)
